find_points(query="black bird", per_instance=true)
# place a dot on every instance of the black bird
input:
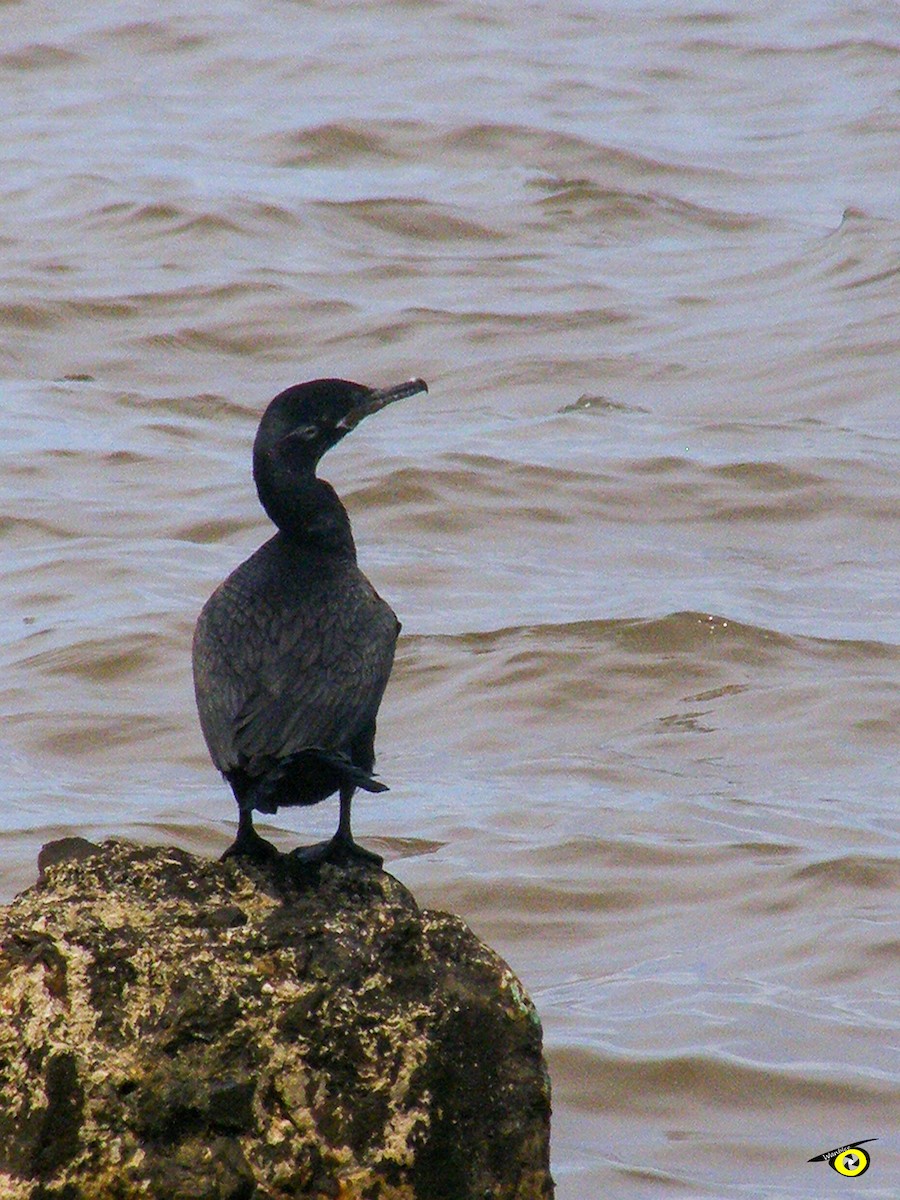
(293, 651)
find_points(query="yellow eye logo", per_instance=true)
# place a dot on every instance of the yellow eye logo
(849, 1161)
(852, 1162)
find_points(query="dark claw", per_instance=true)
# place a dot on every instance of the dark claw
(248, 844)
(340, 851)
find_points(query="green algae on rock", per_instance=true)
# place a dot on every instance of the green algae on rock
(181, 1029)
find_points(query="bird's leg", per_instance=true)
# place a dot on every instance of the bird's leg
(343, 830)
(342, 848)
(343, 842)
(248, 843)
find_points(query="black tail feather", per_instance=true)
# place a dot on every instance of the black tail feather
(348, 770)
(313, 774)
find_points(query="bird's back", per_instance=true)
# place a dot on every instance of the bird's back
(293, 650)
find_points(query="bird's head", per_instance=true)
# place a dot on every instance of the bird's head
(296, 429)
(304, 421)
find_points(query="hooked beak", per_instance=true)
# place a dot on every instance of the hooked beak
(379, 398)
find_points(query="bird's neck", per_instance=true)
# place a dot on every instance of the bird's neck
(307, 510)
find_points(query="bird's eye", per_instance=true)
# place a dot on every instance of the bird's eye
(295, 445)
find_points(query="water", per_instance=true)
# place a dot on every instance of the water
(641, 534)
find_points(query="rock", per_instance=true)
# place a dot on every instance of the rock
(174, 1028)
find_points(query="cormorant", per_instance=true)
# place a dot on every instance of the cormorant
(293, 651)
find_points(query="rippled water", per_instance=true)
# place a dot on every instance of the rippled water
(642, 534)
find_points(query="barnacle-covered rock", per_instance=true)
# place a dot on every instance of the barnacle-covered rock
(174, 1028)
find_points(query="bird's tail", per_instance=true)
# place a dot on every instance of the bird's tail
(329, 768)
(349, 771)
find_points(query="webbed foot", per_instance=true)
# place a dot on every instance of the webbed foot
(249, 844)
(341, 851)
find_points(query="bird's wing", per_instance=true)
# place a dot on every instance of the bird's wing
(315, 679)
(318, 684)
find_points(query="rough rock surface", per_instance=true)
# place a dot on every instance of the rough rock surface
(175, 1028)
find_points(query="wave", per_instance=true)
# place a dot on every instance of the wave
(595, 1082)
(667, 488)
(336, 143)
(405, 217)
(40, 56)
(674, 633)
(685, 694)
